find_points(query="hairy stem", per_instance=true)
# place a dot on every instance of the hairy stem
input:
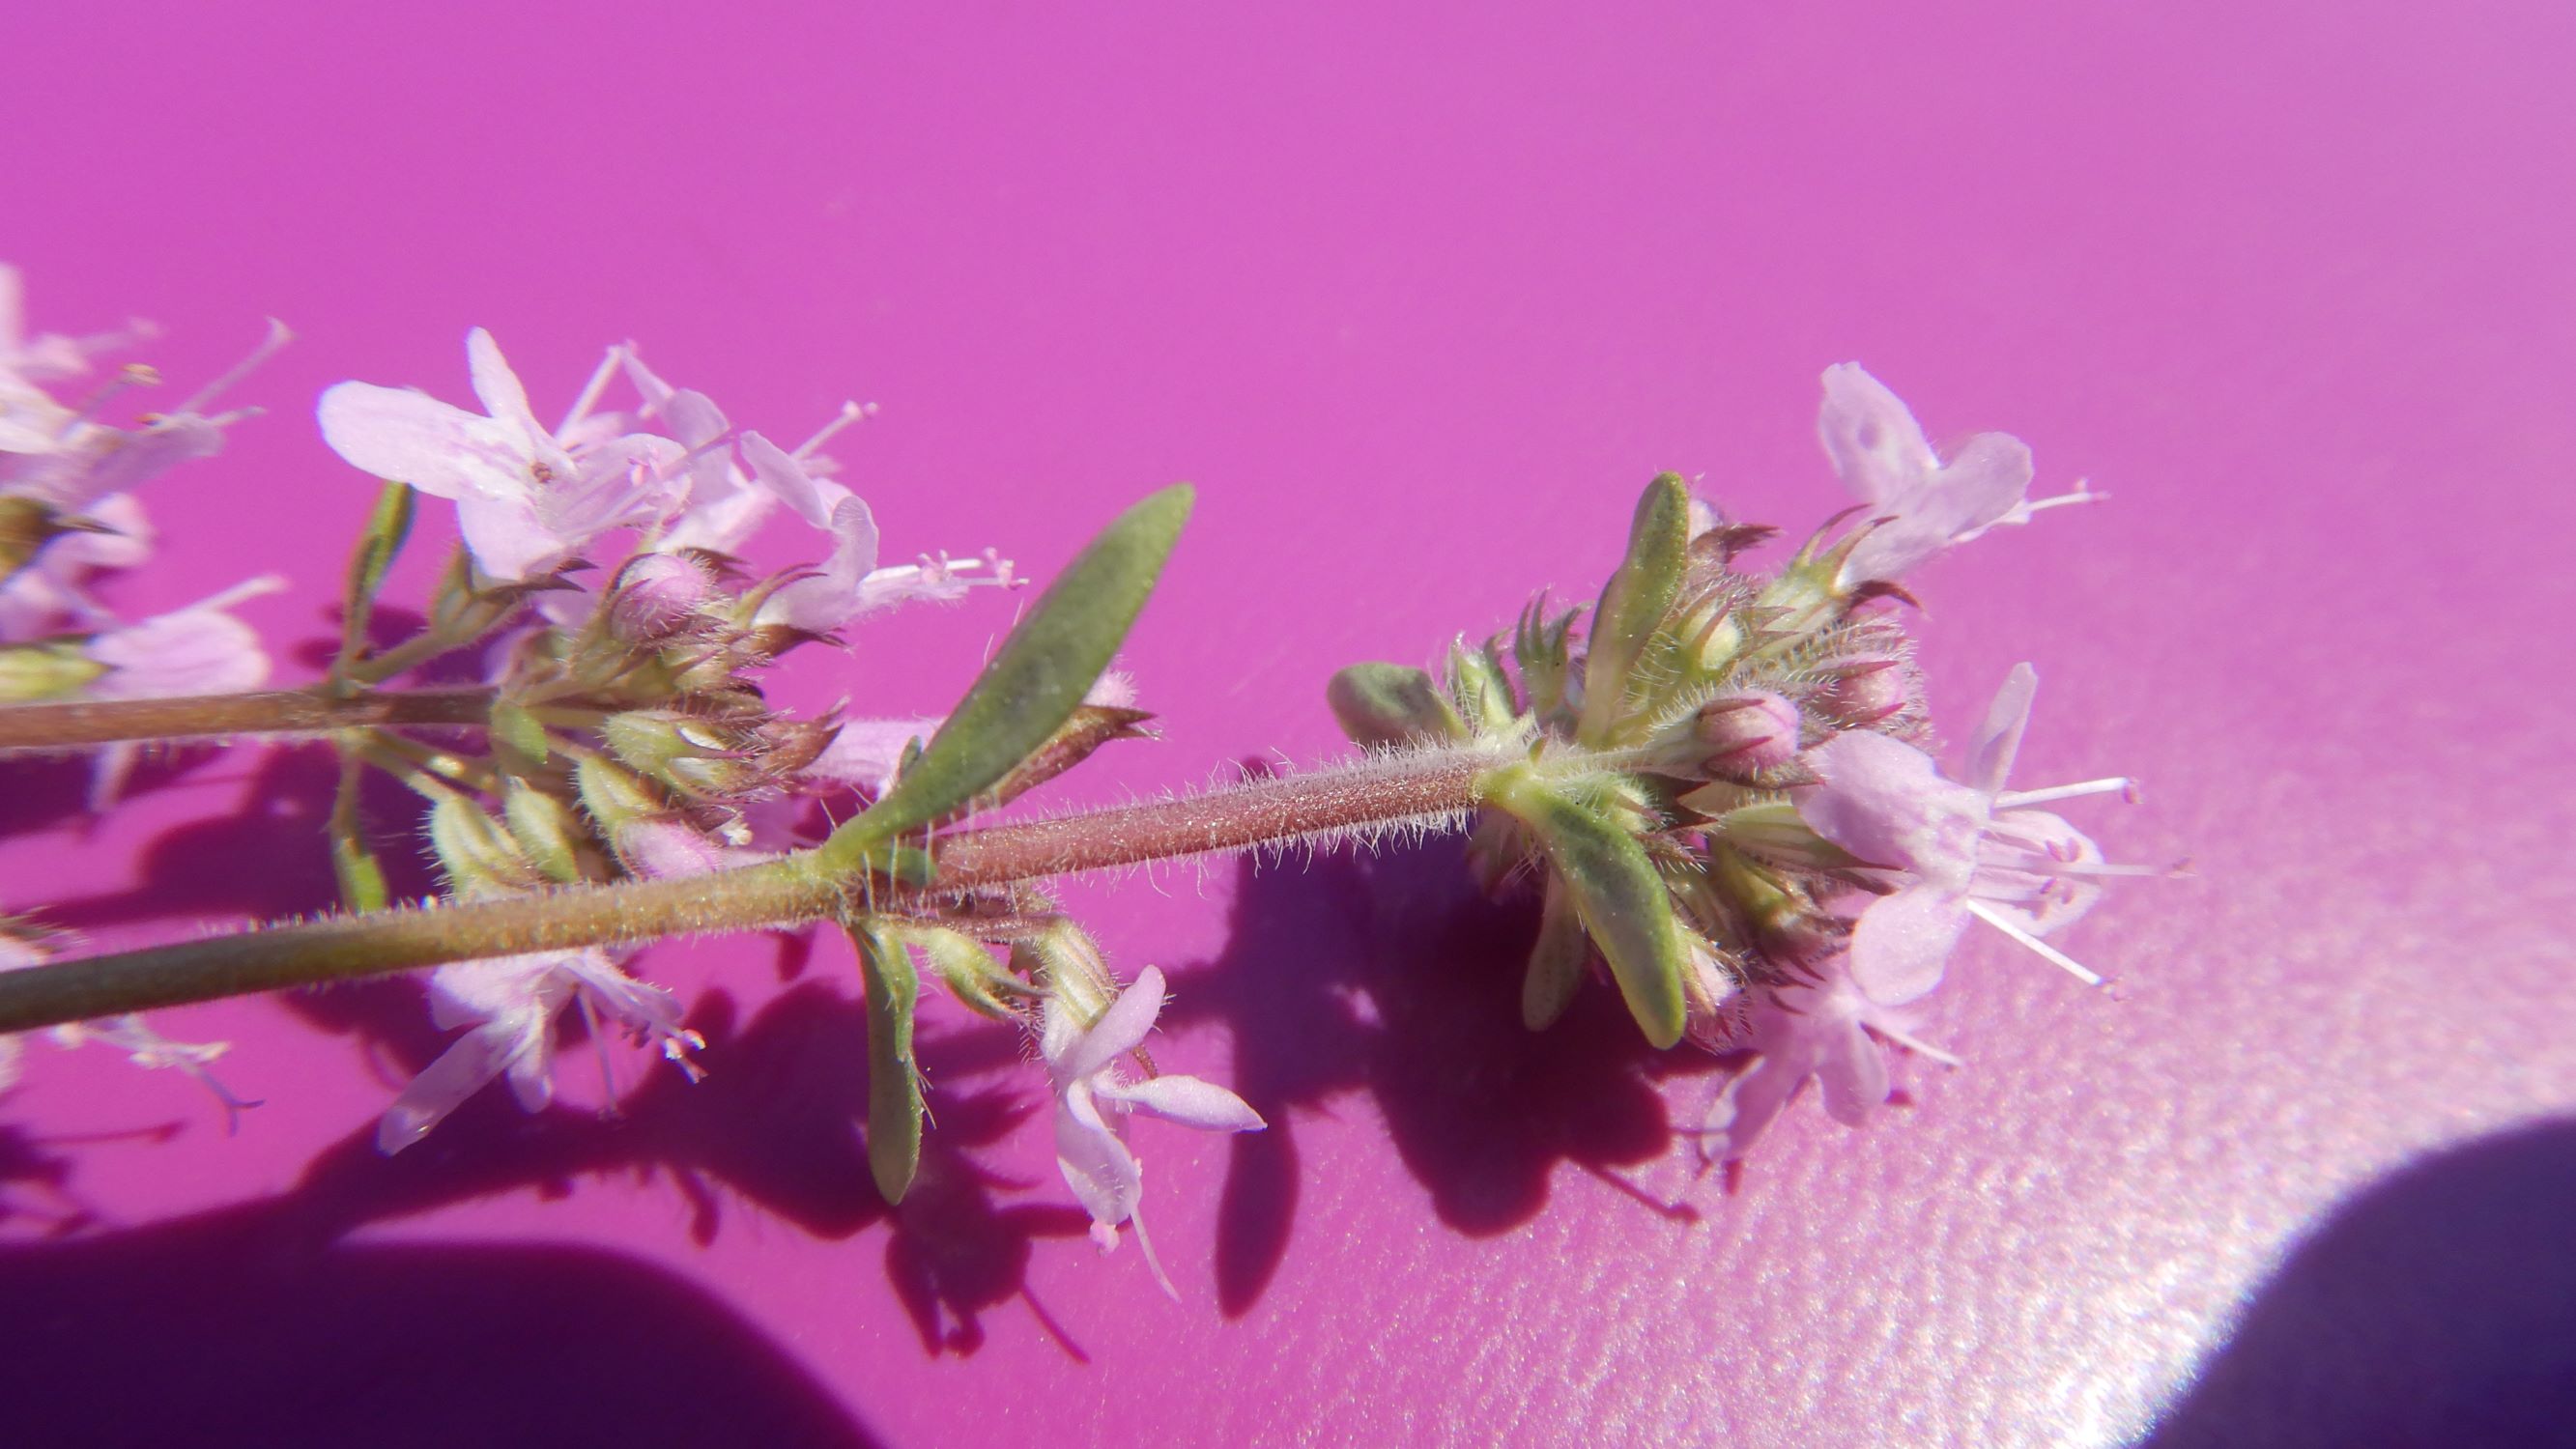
(1375, 793)
(288, 711)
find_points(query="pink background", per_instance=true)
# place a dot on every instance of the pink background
(1418, 300)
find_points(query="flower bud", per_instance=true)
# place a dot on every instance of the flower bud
(655, 594)
(546, 830)
(480, 858)
(970, 972)
(49, 670)
(1381, 706)
(1744, 734)
(1862, 692)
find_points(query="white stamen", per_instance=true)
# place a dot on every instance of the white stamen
(850, 413)
(1916, 1045)
(590, 391)
(2016, 799)
(278, 336)
(2047, 952)
(246, 589)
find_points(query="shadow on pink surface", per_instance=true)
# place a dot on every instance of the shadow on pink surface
(1392, 975)
(230, 1329)
(2438, 1307)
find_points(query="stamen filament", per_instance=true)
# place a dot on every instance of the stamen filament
(2046, 952)
(2016, 799)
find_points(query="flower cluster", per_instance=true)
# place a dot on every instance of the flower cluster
(629, 734)
(68, 515)
(1721, 786)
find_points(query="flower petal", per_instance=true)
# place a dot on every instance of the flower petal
(1877, 448)
(1903, 940)
(1852, 1070)
(411, 437)
(1103, 1174)
(785, 478)
(462, 1070)
(1747, 1106)
(1190, 1101)
(1120, 1030)
(507, 538)
(497, 387)
(1884, 801)
(1990, 758)
(830, 598)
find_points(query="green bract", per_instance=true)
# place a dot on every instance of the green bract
(1034, 684)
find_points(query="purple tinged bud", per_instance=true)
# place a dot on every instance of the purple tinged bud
(1746, 733)
(1859, 694)
(656, 593)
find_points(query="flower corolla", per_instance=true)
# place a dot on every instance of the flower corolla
(1092, 1099)
(512, 1002)
(1955, 849)
(1919, 503)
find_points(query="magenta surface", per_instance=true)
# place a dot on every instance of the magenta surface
(1418, 301)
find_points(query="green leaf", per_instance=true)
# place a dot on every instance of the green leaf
(894, 1088)
(1555, 963)
(1614, 889)
(387, 526)
(1384, 705)
(1634, 602)
(1034, 684)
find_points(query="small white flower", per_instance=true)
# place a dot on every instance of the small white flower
(526, 497)
(513, 1001)
(1092, 1099)
(1922, 505)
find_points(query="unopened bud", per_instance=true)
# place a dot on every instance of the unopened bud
(655, 594)
(1744, 734)
(480, 858)
(547, 830)
(1861, 693)
(972, 975)
(1381, 706)
(50, 670)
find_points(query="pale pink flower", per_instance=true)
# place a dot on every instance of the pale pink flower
(1920, 504)
(848, 585)
(200, 649)
(1092, 1100)
(527, 497)
(512, 1002)
(1956, 849)
(47, 356)
(864, 755)
(64, 457)
(1830, 1031)
(128, 1033)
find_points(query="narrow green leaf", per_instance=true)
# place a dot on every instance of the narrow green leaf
(1384, 705)
(1555, 963)
(1634, 602)
(1034, 684)
(894, 1088)
(1614, 889)
(387, 526)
